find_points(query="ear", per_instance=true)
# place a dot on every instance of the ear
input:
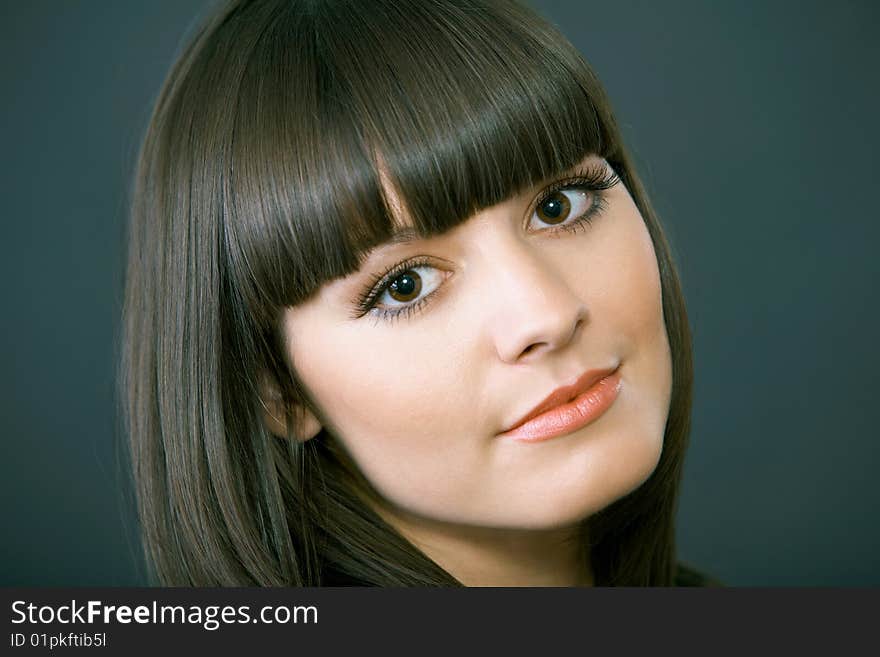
(305, 425)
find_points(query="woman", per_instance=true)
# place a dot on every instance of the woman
(398, 310)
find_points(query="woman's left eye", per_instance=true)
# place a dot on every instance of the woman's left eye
(562, 205)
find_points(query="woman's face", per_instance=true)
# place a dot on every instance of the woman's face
(493, 316)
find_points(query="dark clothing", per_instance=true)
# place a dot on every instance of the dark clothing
(684, 576)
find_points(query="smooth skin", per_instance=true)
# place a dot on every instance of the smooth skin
(518, 307)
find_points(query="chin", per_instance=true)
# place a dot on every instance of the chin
(575, 498)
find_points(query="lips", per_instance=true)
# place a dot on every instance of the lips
(568, 408)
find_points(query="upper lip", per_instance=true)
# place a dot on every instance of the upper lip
(564, 394)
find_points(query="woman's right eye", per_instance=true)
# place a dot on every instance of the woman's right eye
(409, 285)
(407, 289)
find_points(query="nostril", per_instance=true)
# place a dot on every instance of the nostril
(532, 347)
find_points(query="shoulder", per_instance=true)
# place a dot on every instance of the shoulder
(686, 575)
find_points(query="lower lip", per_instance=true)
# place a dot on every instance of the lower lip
(577, 413)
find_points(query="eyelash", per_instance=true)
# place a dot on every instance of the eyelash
(594, 180)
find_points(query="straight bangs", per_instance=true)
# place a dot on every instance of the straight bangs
(388, 114)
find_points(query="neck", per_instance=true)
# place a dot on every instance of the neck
(480, 556)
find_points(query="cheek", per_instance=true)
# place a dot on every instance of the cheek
(626, 303)
(626, 295)
(405, 426)
(368, 385)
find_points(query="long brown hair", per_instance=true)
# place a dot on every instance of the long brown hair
(258, 181)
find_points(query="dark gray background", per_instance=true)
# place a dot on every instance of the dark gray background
(755, 127)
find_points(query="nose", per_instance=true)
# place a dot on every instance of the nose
(538, 312)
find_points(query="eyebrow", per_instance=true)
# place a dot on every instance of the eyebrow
(402, 236)
(399, 236)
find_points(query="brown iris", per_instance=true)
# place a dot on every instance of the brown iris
(554, 209)
(405, 287)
